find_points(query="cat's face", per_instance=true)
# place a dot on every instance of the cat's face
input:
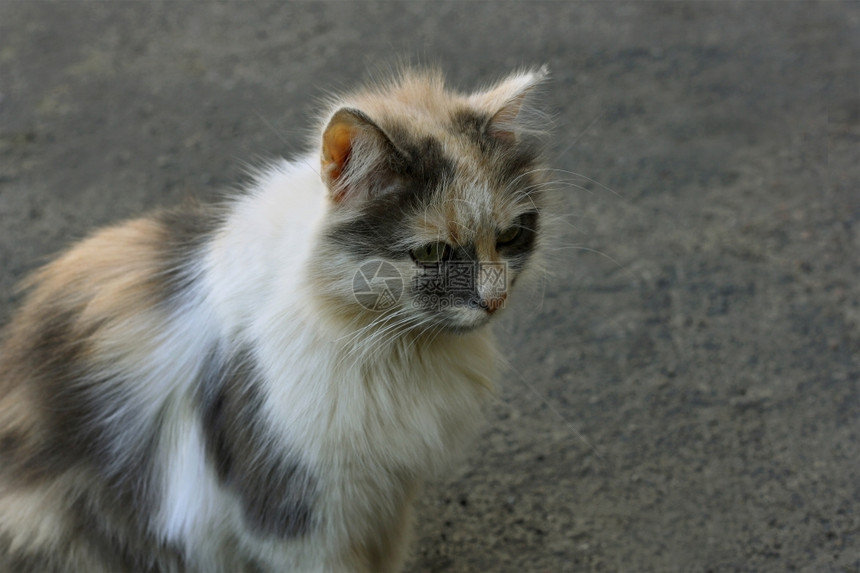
(436, 203)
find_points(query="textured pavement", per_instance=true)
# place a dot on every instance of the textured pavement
(684, 392)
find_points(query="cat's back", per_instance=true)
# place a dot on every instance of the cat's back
(89, 319)
(112, 335)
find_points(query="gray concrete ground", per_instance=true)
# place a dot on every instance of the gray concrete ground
(684, 392)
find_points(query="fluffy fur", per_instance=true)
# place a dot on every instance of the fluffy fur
(200, 390)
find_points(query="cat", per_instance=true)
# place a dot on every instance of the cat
(265, 383)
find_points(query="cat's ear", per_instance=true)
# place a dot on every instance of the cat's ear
(354, 151)
(506, 101)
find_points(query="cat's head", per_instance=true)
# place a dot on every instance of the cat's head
(436, 201)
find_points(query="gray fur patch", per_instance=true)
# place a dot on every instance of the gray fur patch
(187, 229)
(418, 171)
(115, 540)
(276, 490)
(508, 159)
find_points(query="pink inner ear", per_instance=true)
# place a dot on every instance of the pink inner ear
(351, 132)
(337, 145)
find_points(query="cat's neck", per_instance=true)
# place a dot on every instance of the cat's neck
(256, 264)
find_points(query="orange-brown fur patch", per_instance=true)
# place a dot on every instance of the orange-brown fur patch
(114, 271)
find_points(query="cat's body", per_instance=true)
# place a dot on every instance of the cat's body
(201, 390)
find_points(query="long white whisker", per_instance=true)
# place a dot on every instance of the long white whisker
(581, 134)
(596, 252)
(555, 411)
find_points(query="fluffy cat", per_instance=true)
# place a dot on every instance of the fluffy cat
(264, 384)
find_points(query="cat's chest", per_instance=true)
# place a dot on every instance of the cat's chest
(411, 411)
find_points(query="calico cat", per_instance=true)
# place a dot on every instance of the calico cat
(264, 384)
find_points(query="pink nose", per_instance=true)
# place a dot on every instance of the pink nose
(496, 302)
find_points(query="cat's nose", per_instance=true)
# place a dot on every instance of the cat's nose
(495, 303)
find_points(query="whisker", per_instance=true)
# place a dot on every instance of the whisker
(558, 414)
(596, 252)
(582, 133)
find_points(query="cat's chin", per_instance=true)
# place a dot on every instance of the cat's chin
(463, 330)
(464, 321)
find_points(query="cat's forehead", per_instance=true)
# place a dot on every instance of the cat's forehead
(448, 155)
(464, 193)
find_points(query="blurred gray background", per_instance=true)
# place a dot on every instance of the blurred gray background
(684, 391)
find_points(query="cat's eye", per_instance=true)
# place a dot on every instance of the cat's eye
(431, 253)
(512, 233)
